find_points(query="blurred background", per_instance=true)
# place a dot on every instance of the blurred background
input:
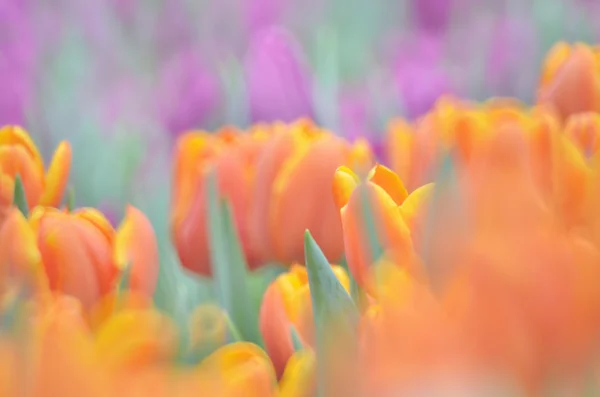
(121, 79)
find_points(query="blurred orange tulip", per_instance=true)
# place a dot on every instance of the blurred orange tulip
(274, 177)
(19, 155)
(79, 250)
(570, 79)
(386, 194)
(133, 339)
(240, 369)
(293, 176)
(287, 303)
(232, 156)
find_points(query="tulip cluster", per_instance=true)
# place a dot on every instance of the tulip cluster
(468, 265)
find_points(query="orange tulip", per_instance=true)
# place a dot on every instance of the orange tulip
(240, 369)
(287, 303)
(570, 79)
(386, 193)
(232, 156)
(63, 352)
(19, 155)
(274, 177)
(134, 339)
(294, 172)
(83, 255)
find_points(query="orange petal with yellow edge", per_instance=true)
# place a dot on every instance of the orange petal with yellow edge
(15, 160)
(298, 379)
(135, 244)
(390, 182)
(11, 135)
(57, 175)
(344, 183)
(97, 218)
(20, 259)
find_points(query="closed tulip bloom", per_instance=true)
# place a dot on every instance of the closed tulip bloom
(232, 156)
(19, 155)
(287, 303)
(83, 255)
(292, 192)
(240, 369)
(76, 251)
(386, 193)
(570, 79)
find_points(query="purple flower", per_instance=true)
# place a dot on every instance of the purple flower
(511, 45)
(188, 93)
(263, 13)
(432, 15)
(17, 61)
(419, 75)
(276, 80)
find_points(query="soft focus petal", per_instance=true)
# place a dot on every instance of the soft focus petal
(57, 175)
(135, 245)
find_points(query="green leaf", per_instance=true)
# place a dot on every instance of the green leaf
(125, 279)
(296, 341)
(229, 265)
(335, 315)
(233, 331)
(71, 199)
(19, 198)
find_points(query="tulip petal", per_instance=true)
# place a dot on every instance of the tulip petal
(57, 175)
(390, 182)
(19, 254)
(344, 183)
(15, 135)
(135, 244)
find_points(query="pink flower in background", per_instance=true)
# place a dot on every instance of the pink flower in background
(263, 13)
(420, 75)
(188, 92)
(17, 61)
(277, 82)
(511, 46)
(432, 15)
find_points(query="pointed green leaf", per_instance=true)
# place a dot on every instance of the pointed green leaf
(296, 341)
(335, 315)
(124, 280)
(229, 265)
(233, 332)
(19, 198)
(71, 199)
